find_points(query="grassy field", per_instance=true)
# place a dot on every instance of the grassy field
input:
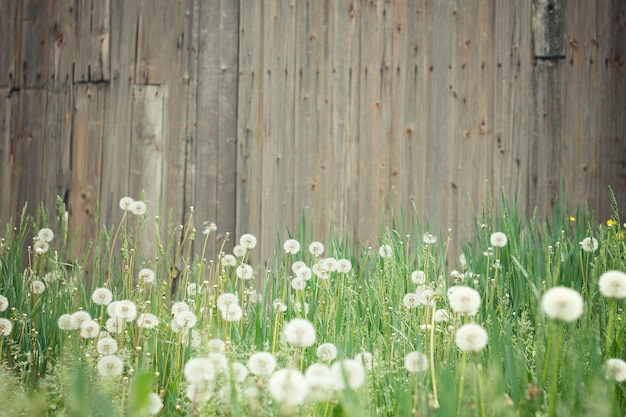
(527, 321)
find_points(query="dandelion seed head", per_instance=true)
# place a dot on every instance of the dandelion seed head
(147, 276)
(411, 300)
(110, 366)
(347, 372)
(261, 363)
(279, 306)
(239, 251)
(298, 284)
(291, 246)
(209, 227)
(429, 239)
(40, 247)
(229, 260)
(37, 286)
(562, 303)
(232, 313)
(319, 380)
(415, 362)
(367, 359)
(89, 329)
(192, 289)
(6, 327)
(147, 321)
(239, 372)
(589, 244)
(615, 370)
(199, 393)
(441, 315)
(498, 239)
(385, 251)
(304, 273)
(244, 271)
(297, 266)
(612, 284)
(185, 319)
(219, 362)
(326, 352)
(226, 300)
(216, 345)
(426, 295)
(102, 296)
(106, 346)
(114, 325)
(299, 332)
(179, 307)
(199, 371)
(4, 303)
(46, 234)
(154, 404)
(248, 241)
(328, 264)
(418, 277)
(288, 386)
(344, 266)
(126, 203)
(139, 208)
(471, 338)
(126, 310)
(65, 322)
(464, 300)
(78, 318)
(316, 248)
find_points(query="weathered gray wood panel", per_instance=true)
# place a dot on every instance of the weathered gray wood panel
(255, 112)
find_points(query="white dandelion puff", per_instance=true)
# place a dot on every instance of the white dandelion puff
(106, 346)
(248, 241)
(288, 386)
(589, 244)
(102, 296)
(261, 363)
(471, 338)
(46, 234)
(562, 303)
(6, 327)
(326, 352)
(126, 203)
(464, 300)
(612, 284)
(415, 362)
(299, 332)
(316, 248)
(291, 246)
(110, 366)
(498, 239)
(615, 370)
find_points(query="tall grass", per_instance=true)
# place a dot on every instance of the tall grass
(532, 365)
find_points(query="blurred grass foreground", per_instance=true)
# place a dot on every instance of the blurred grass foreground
(527, 321)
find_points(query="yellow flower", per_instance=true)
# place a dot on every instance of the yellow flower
(572, 219)
(611, 222)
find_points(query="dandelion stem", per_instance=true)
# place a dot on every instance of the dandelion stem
(609, 326)
(432, 355)
(117, 232)
(555, 370)
(461, 382)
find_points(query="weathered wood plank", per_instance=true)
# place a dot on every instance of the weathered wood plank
(32, 71)
(250, 119)
(63, 45)
(147, 141)
(10, 35)
(92, 60)
(214, 148)
(86, 156)
(6, 155)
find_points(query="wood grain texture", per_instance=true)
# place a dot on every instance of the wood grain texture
(256, 112)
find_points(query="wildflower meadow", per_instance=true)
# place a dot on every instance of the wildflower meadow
(527, 319)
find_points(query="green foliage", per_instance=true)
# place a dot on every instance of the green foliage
(532, 365)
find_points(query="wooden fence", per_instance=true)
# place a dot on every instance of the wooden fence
(257, 111)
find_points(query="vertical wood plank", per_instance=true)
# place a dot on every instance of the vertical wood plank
(149, 123)
(93, 40)
(86, 156)
(10, 42)
(35, 41)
